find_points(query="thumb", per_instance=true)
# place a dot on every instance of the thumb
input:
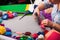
(42, 26)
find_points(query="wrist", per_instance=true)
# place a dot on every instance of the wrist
(53, 25)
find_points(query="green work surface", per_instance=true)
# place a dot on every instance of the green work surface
(14, 8)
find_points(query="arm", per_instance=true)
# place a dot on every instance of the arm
(38, 8)
(51, 24)
(56, 26)
(42, 6)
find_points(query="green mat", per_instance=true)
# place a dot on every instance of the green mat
(14, 8)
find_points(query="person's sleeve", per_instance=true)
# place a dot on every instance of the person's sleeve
(48, 5)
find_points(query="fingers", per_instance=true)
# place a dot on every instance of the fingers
(34, 16)
(45, 22)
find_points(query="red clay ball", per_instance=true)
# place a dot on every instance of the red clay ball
(35, 35)
(28, 33)
(10, 16)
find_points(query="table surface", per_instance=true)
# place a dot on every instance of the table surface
(23, 25)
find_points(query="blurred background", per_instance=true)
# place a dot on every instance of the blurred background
(7, 2)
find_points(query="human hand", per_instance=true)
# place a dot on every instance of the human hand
(36, 13)
(47, 23)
